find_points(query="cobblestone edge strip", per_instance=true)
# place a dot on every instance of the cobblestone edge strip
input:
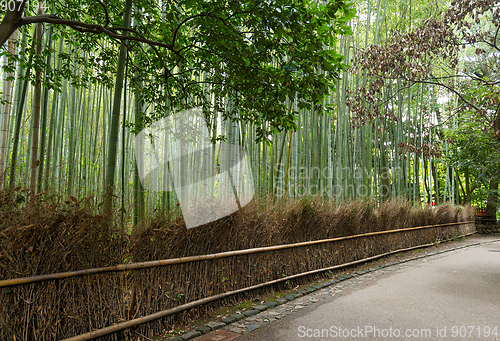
(235, 323)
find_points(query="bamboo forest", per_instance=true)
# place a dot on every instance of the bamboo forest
(323, 118)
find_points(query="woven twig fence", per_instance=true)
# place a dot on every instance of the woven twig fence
(55, 306)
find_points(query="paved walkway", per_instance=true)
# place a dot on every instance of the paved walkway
(448, 296)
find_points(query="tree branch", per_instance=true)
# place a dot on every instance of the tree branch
(450, 89)
(105, 12)
(91, 28)
(11, 22)
(185, 21)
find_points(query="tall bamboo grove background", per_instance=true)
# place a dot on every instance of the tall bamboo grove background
(328, 155)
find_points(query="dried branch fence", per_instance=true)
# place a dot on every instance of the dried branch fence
(106, 301)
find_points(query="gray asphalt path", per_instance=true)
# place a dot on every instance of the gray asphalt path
(454, 297)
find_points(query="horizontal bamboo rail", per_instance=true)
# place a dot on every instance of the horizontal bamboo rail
(145, 319)
(164, 262)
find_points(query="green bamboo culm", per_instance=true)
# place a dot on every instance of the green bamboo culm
(19, 118)
(6, 109)
(36, 107)
(43, 128)
(115, 117)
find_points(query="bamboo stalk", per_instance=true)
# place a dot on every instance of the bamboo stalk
(109, 181)
(36, 111)
(164, 262)
(43, 128)
(71, 122)
(6, 110)
(17, 128)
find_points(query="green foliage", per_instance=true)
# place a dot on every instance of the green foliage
(255, 55)
(475, 150)
(475, 147)
(258, 55)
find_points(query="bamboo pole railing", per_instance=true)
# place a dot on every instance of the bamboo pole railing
(145, 319)
(165, 262)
